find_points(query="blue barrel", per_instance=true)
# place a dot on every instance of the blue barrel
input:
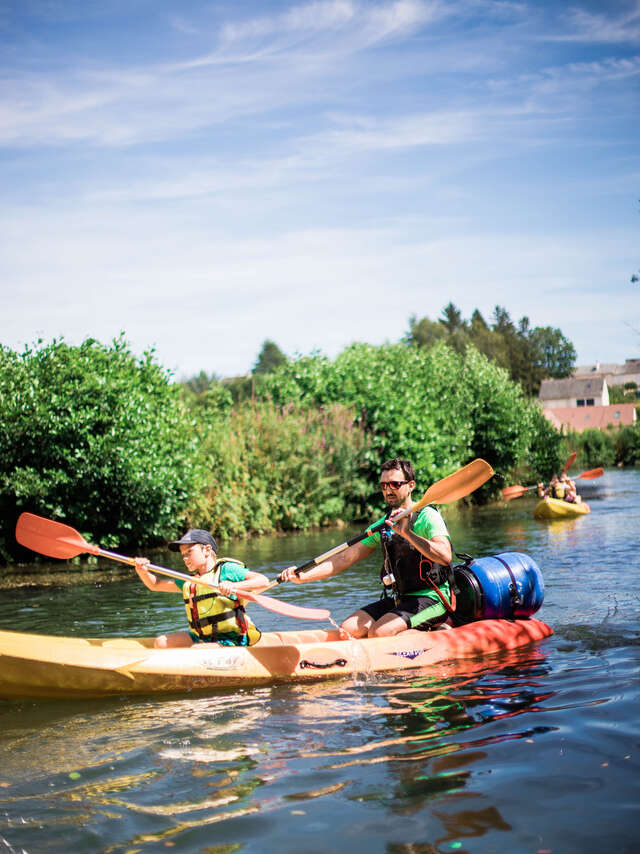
(507, 585)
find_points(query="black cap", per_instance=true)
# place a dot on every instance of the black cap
(194, 535)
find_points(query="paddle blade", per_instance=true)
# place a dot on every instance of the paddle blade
(457, 485)
(53, 539)
(591, 474)
(285, 608)
(569, 462)
(511, 492)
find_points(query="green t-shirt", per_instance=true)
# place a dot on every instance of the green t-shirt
(429, 523)
(232, 571)
(229, 571)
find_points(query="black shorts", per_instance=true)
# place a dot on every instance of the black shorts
(408, 608)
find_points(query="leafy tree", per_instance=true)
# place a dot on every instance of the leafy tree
(596, 448)
(547, 453)
(425, 332)
(199, 383)
(96, 437)
(216, 399)
(501, 418)
(617, 395)
(452, 319)
(269, 359)
(529, 354)
(240, 388)
(488, 341)
(554, 355)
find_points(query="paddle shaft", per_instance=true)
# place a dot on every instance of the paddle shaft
(172, 573)
(510, 492)
(266, 601)
(343, 546)
(55, 539)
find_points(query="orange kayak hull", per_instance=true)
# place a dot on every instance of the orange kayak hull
(45, 666)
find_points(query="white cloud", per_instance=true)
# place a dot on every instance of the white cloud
(602, 28)
(248, 73)
(207, 304)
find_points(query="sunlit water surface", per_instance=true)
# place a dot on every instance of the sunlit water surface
(535, 751)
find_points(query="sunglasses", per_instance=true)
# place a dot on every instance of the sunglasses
(394, 484)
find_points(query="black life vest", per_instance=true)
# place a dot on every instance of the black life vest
(411, 570)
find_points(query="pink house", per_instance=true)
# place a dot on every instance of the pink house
(577, 403)
(580, 418)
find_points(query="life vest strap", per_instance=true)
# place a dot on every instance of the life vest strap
(203, 596)
(201, 622)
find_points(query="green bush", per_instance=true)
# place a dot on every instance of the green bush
(279, 468)
(595, 448)
(627, 445)
(548, 452)
(436, 407)
(502, 420)
(96, 437)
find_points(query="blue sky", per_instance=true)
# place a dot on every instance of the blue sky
(206, 175)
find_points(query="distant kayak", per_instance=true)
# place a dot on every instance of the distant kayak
(556, 508)
(34, 665)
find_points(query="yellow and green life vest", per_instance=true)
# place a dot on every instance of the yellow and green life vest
(212, 615)
(559, 490)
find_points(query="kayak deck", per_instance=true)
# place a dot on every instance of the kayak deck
(46, 666)
(556, 508)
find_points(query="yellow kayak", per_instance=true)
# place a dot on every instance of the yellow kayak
(41, 666)
(556, 508)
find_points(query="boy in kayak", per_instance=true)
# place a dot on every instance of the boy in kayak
(213, 616)
(417, 563)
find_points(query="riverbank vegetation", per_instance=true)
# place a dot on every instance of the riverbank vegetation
(94, 436)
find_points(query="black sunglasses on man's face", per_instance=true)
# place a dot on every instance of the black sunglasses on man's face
(393, 484)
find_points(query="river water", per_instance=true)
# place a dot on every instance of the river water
(535, 751)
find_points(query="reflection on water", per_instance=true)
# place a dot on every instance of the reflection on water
(261, 754)
(459, 757)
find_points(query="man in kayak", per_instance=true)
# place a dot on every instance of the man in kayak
(214, 615)
(417, 563)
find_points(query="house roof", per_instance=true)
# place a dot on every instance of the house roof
(631, 366)
(580, 418)
(571, 387)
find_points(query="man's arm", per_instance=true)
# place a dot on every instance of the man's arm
(330, 567)
(438, 549)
